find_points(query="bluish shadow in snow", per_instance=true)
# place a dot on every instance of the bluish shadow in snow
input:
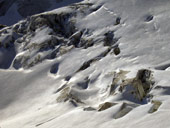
(162, 90)
(6, 57)
(129, 96)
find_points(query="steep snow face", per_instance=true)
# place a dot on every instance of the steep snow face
(141, 23)
(72, 66)
(11, 11)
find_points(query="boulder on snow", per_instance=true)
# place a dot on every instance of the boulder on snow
(139, 86)
(155, 107)
(108, 38)
(66, 95)
(105, 106)
(116, 51)
(89, 109)
(143, 82)
(125, 109)
(118, 19)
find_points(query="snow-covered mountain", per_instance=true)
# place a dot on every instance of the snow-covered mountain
(92, 64)
(11, 11)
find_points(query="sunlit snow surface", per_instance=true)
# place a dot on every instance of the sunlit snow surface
(28, 96)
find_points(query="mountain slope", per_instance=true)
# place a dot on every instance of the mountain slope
(98, 63)
(11, 11)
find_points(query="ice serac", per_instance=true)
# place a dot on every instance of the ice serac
(96, 63)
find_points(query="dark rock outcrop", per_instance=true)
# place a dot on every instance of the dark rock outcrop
(139, 86)
(2, 26)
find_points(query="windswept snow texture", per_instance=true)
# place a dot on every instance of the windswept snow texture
(93, 64)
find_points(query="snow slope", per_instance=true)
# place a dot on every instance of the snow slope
(94, 64)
